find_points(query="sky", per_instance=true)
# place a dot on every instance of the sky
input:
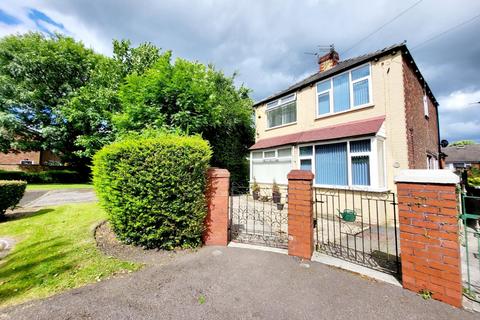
(265, 41)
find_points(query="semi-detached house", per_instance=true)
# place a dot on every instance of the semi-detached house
(355, 123)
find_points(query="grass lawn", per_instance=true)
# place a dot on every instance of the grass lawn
(55, 250)
(55, 186)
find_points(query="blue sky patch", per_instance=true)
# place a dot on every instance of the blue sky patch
(38, 16)
(8, 19)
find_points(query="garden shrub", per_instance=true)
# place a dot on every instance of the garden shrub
(50, 176)
(153, 188)
(11, 192)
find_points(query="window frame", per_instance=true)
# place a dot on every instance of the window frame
(280, 103)
(426, 112)
(310, 157)
(432, 162)
(276, 158)
(351, 83)
(373, 161)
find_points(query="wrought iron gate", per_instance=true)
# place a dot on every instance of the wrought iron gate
(259, 216)
(358, 226)
(471, 246)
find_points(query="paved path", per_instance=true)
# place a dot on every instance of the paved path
(42, 198)
(234, 283)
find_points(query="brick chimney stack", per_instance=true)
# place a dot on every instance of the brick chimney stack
(329, 60)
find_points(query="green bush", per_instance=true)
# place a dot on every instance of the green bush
(11, 192)
(153, 188)
(50, 176)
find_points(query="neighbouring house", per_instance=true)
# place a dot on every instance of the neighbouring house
(26, 161)
(462, 156)
(355, 123)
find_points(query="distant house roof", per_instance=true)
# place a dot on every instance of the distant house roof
(347, 129)
(468, 153)
(348, 64)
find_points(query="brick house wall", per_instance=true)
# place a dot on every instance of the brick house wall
(11, 161)
(422, 132)
(15, 158)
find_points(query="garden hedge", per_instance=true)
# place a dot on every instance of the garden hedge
(50, 176)
(153, 189)
(11, 192)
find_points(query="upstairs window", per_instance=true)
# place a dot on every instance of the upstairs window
(425, 105)
(346, 91)
(282, 111)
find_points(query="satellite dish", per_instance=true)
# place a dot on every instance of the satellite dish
(444, 143)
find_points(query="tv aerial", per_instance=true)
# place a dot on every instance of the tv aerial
(321, 49)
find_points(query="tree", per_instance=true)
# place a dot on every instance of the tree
(193, 98)
(462, 143)
(134, 60)
(57, 95)
(38, 76)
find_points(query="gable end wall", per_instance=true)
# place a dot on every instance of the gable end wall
(422, 132)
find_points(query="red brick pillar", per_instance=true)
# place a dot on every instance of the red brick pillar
(300, 214)
(429, 244)
(216, 221)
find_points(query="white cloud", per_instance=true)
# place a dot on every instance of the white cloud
(265, 40)
(459, 100)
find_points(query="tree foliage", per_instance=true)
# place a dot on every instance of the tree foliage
(134, 59)
(57, 95)
(196, 99)
(38, 76)
(462, 143)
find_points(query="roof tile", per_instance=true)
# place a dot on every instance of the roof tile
(348, 129)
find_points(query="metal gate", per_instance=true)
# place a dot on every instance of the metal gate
(471, 246)
(259, 215)
(358, 226)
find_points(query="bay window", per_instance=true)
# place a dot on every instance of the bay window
(351, 163)
(282, 111)
(345, 91)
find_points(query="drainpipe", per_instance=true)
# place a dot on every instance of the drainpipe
(438, 142)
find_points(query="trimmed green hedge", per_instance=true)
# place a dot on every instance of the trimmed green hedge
(11, 192)
(153, 189)
(50, 176)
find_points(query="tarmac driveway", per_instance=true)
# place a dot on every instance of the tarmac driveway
(234, 283)
(44, 198)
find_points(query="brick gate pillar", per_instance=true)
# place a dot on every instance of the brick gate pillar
(300, 214)
(429, 232)
(216, 221)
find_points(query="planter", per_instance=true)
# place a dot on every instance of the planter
(256, 195)
(280, 206)
(276, 197)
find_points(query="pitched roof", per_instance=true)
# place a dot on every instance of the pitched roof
(347, 129)
(468, 153)
(349, 64)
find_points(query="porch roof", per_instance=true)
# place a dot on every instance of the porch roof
(345, 130)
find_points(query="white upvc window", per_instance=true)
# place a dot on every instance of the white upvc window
(271, 165)
(348, 163)
(282, 111)
(344, 92)
(432, 162)
(425, 105)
